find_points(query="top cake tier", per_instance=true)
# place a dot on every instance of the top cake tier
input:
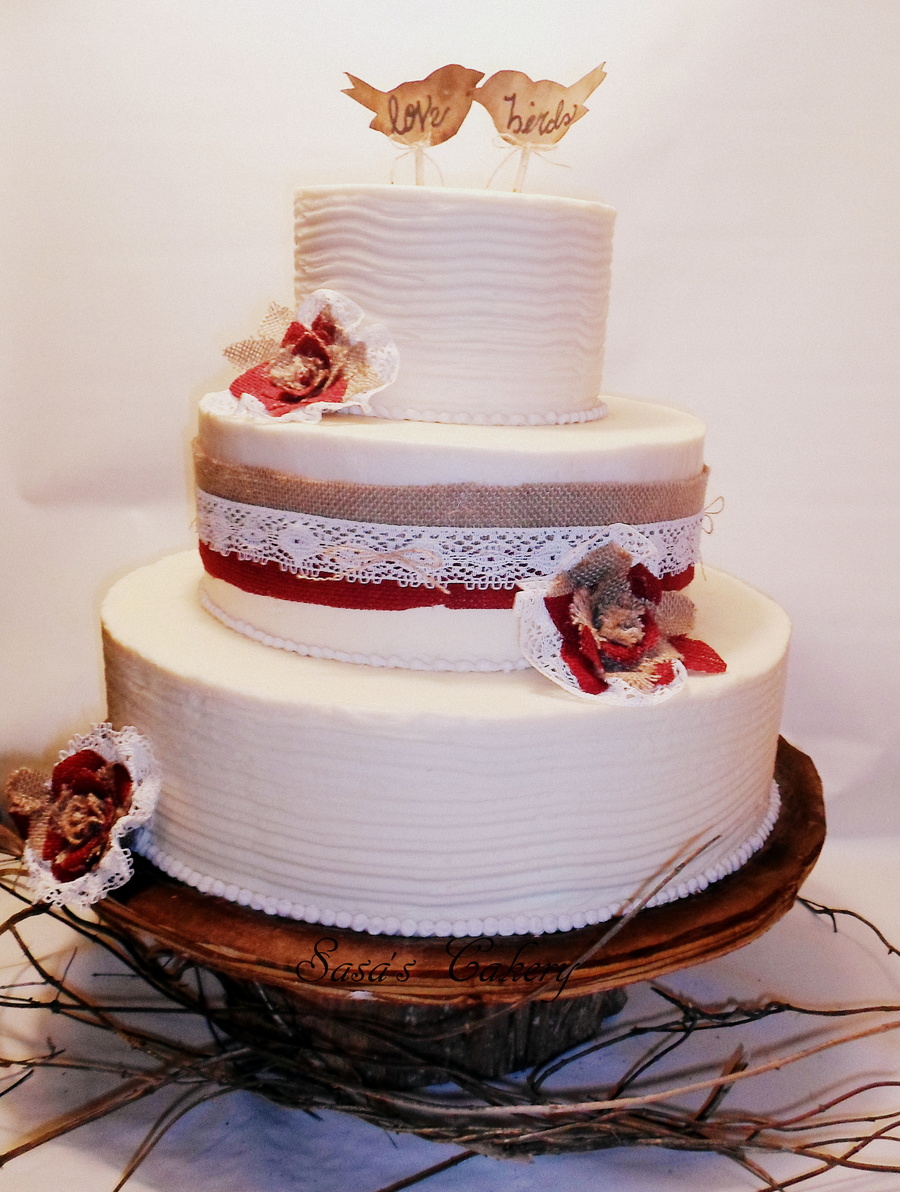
(496, 301)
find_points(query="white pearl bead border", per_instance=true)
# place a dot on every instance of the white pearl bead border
(481, 418)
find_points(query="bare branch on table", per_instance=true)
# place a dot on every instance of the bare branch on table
(262, 1044)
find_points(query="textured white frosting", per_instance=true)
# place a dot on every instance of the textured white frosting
(497, 301)
(636, 441)
(402, 801)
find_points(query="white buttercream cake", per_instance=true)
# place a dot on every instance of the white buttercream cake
(449, 666)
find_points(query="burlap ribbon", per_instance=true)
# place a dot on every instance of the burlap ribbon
(465, 505)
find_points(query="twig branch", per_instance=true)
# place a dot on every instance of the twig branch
(830, 912)
(295, 1060)
(428, 1172)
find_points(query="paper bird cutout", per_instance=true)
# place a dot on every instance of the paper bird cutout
(535, 115)
(423, 113)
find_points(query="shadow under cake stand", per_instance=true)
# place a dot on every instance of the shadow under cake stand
(487, 1005)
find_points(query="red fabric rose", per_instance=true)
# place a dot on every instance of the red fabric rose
(609, 627)
(88, 795)
(309, 368)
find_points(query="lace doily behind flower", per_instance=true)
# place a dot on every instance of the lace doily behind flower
(540, 642)
(358, 360)
(604, 628)
(114, 868)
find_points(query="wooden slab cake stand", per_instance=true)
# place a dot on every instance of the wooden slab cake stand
(492, 1004)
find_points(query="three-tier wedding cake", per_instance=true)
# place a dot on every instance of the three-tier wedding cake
(445, 662)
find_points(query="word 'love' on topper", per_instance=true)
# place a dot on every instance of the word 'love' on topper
(422, 113)
(534, 116)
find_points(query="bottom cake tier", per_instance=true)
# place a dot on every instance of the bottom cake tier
(414, 803)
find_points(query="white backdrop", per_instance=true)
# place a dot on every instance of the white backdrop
(750, 147)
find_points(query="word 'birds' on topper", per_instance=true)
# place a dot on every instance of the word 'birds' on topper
(535, 116)
(422, 113)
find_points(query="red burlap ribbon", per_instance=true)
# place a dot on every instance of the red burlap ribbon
(268, 579)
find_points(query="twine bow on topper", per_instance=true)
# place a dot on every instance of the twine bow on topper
(422, 113)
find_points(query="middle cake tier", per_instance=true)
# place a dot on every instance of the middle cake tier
(405, 544)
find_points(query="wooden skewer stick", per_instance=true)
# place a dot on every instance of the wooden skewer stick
(523, 166)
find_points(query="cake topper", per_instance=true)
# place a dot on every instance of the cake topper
(534, 116)
(422, 113)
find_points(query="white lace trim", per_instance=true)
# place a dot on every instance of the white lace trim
(388, 660)
(114, 868)
(483, 418)
(413, 556)
(508, 925)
